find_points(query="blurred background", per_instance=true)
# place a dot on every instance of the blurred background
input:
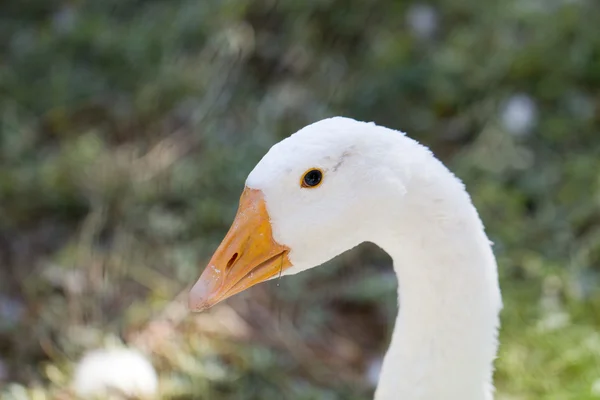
(128, 127)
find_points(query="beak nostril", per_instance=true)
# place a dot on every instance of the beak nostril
(232, 260)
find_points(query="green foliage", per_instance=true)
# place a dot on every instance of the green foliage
(127, 128)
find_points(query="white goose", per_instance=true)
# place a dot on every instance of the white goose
(339, 182)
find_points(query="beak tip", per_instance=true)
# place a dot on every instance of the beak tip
(193, 305)
(201, 296)
(197, 297)
(196, 306)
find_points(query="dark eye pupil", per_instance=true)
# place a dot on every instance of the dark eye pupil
(313, 178)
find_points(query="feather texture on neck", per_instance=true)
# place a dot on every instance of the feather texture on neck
(445, 338)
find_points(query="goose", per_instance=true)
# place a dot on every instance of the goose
(339, 182)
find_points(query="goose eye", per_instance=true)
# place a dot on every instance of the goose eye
(312, 178)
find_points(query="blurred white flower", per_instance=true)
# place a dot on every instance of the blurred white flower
(239, 39)
(554, 321)
(422, 20)
(519, 114)
(124, 371)
(553, 315)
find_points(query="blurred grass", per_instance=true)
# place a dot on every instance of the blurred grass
(127, 129)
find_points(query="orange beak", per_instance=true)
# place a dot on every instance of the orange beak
(248, 255)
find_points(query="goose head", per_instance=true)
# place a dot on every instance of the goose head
(313, 196)
(337, 183)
